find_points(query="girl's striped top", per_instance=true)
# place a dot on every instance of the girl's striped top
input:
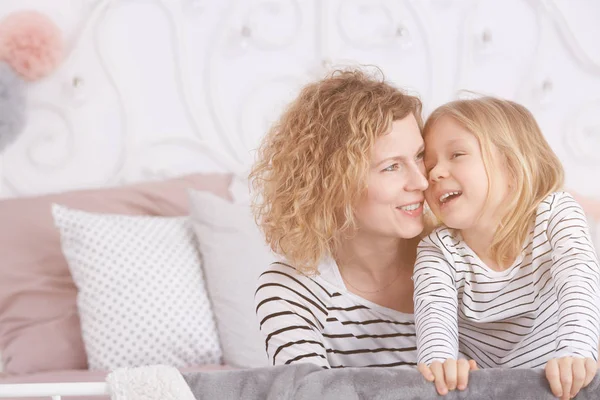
(316, 320)
(546, 305)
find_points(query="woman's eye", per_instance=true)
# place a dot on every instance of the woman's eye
(392, 167)
(420, 156)
(455, 155)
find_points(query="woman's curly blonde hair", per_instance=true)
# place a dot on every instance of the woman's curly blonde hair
(313, 164)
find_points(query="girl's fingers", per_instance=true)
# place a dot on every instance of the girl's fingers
(426, 372)
(463, 374)
(578, 371)
(565, 365)
(591, 367)
(451, 373)
(473, 365)
(440, 381)
(553, 376)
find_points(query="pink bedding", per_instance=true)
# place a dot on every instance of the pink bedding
(37, 293)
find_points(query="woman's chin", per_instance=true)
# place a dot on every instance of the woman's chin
(411, 230)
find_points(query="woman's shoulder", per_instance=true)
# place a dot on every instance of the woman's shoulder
(282, 284)
(282, 272)
(281, 266)
(281, 276)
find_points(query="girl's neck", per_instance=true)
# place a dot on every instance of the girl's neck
(479, 239)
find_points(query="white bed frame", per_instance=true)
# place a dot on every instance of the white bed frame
(401, 33)
(53, 390)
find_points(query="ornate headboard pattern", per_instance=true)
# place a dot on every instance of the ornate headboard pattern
(153, 88)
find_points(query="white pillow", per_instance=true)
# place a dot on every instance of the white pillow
(141, 295)
(234, 254)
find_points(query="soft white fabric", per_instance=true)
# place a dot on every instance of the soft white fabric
(153, 382)
(234, 254)
(142, 298)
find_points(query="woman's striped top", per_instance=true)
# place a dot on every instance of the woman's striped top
(316, 320)
(546, 305)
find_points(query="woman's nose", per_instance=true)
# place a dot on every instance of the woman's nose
(417, 179)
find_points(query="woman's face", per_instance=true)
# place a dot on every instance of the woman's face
(393, 204)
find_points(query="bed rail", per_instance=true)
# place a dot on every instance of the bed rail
(55, 391)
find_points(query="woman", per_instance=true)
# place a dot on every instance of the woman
(339, 187)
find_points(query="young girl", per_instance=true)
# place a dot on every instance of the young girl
(511, 279)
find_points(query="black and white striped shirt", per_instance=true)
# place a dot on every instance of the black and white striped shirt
(546, 305)
(316, 320)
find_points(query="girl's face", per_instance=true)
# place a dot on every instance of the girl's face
(393, 204)
(458, 182)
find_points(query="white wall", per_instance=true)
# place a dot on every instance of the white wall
(151, 88)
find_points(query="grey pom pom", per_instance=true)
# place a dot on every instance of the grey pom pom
(12, 105)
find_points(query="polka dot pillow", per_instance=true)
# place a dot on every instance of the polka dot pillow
(141, 293)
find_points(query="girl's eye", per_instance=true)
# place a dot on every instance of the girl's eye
(455, 155)
(420, 156)
(393, 167)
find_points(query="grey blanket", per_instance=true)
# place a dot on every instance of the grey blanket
(306, 381)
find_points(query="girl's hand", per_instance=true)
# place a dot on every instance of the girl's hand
(450, 375)
(568, 375)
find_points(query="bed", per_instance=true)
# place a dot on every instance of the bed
(111, 143)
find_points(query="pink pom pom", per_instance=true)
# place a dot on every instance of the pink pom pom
(31, 43)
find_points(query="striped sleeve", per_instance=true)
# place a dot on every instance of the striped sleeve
(288, 315)
(576, 273)
(436, 304)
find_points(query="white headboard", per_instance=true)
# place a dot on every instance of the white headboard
(154, 88)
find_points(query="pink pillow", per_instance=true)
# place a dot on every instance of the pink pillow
(590, 205)
(39, 325)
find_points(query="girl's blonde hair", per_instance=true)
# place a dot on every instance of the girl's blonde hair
(312, 165)
(535, 170)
